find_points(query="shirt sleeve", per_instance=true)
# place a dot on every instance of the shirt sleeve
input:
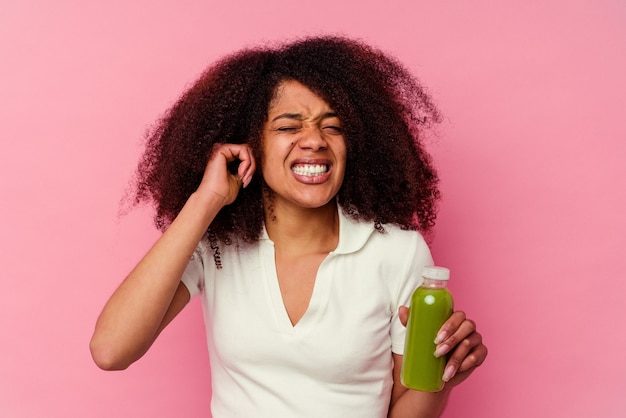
(193, 276)
(411, 279)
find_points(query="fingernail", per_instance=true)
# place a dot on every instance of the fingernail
(441, 350)
(448, 373)
(441, 335)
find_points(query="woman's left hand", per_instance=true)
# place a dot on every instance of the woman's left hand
(459, 339)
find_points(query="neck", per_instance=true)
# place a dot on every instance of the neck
(302, 230)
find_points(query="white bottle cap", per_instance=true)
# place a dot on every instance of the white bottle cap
(436, 273)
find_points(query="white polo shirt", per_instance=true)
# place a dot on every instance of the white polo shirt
(336, 361)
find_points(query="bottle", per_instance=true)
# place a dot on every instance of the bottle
(431, 306)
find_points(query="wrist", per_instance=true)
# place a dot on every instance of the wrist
(207, 199)
(202, 207)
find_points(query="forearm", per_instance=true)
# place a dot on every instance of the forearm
(415, 404)
(134, 315)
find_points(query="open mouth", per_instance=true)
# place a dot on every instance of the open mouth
(310, 170)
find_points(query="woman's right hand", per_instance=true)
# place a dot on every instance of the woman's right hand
(218, 180)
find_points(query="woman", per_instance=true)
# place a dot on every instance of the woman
(292, 188)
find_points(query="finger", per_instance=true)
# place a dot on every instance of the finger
(450, 326)
(475, 358)
(403, 314)
(217, 177)
(466, 328)
(247, 166)
(467, 367)
(241, 153)
(251, 169)
(460, 353)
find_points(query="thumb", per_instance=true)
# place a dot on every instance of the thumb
(403, 313)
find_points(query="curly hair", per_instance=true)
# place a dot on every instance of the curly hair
(384, 110)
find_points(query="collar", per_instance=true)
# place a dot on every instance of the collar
(353, 234)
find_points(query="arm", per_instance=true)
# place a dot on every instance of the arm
(457, 338)
(152, 294)
(412, 403)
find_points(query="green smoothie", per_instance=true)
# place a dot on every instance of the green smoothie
(430, 307)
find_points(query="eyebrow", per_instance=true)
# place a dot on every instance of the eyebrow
(298, 116)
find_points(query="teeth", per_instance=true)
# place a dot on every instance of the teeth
(310, 170)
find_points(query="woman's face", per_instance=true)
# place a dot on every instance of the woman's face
(303, 148)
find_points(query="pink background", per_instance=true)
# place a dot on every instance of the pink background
(531, 155)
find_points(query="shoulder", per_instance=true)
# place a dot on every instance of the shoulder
(398, 241)
(387, 240)
(356, 235)
(210, 251)
(400, 248)
(384, 247)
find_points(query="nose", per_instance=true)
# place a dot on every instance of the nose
(312, 139)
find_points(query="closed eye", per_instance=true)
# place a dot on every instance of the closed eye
(333, 129)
